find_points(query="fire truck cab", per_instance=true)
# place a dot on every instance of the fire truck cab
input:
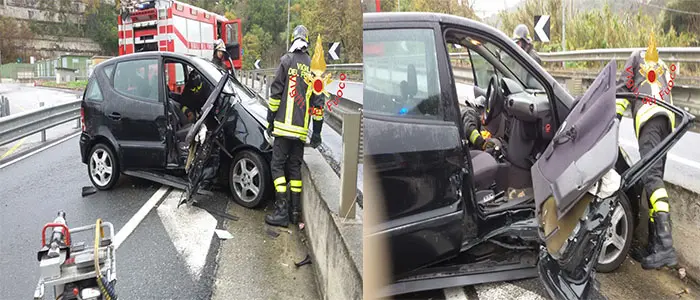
(173, 26)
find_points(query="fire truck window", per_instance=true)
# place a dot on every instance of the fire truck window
(231, 33)
(138, 79)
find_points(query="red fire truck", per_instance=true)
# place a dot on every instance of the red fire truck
(169, 25)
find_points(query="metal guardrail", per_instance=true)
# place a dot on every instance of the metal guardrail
(15, 127)
(671, 54)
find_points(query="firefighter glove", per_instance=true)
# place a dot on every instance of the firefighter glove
(316, 136)
(270, 122)
(201, 135)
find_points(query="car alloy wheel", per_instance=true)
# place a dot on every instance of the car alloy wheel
(102, 167)
(618, 238)
(248, 178)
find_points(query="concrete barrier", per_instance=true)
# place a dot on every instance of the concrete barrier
(336, 244)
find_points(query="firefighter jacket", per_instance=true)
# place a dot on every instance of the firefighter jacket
(292, 102)
(632, 80)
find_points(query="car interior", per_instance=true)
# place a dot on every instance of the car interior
(517, 112)
(180, 116)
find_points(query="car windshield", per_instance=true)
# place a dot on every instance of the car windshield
(212, 71)
(511, 64)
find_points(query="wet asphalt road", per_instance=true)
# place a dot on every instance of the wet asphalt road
(34, 189)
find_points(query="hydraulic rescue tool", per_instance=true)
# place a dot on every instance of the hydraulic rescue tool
(75, 270)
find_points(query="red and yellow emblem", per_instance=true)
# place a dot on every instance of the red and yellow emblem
(318, 67)
(651, 69)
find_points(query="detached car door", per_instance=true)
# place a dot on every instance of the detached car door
(414, 147)
(137, 113)
(576, 187)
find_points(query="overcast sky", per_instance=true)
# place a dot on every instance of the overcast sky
(485, 8)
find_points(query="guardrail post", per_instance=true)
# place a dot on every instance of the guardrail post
(252, 84)
(348, 172)
(267, 89)
(43, 132)
(2, 106)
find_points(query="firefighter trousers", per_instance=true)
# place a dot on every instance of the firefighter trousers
(287, 153)
(650, 135)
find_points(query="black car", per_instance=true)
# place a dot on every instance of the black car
(447, 217)
(138, 110)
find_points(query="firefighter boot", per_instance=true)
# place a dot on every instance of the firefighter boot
(280, 217)
(663, 252)
(295, 211)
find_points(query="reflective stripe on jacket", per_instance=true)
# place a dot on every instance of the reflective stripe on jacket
(292, 101)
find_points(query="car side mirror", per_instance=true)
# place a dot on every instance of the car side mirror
(234, 51)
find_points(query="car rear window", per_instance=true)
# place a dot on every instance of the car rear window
(93, 92)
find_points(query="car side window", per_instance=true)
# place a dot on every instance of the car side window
(174, 76)
(401, 73)
(93, 92)
(483, 70)
(138, 79)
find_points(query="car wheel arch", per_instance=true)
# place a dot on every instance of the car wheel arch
(101, 139)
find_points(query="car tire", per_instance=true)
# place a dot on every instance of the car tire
(251, 186)
(103, 167)
(623, 226)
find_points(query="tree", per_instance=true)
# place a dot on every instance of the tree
(13, 39)
(101, 25)
(675, 18)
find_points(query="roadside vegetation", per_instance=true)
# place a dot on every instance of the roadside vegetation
(71, 85)
(590, 24)
(264, 25)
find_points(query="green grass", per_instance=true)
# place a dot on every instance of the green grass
(73, 85)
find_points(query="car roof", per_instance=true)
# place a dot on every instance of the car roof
(426, 17)
(148, 54)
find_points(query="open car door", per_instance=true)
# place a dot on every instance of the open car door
(577, 189)
(202, 161)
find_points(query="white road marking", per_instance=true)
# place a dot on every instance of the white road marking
(505, 290)
(190, 228)
(39, 150)
(130, 225)
(455, 293)
(670, 156)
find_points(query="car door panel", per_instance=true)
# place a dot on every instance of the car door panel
(416, 151)
(576, 189)
(137, 117)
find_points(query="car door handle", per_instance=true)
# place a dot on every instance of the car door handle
(115, 116)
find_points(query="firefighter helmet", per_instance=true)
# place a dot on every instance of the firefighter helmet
(521, 32)
(219, 45)
(300, 32)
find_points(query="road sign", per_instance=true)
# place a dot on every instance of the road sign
(334, 50)
(542, 28)
(257, 64)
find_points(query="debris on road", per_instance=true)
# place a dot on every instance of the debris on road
(301, 226)
(89, 190)
(684, 291)
(306, 261)
(272, 233)
(681, 273)
(223, 234)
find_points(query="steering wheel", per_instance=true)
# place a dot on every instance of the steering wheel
(494, 99)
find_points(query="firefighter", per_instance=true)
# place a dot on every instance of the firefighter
(219, 58)
(288, 121)
(652, 124)
(521, 36)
